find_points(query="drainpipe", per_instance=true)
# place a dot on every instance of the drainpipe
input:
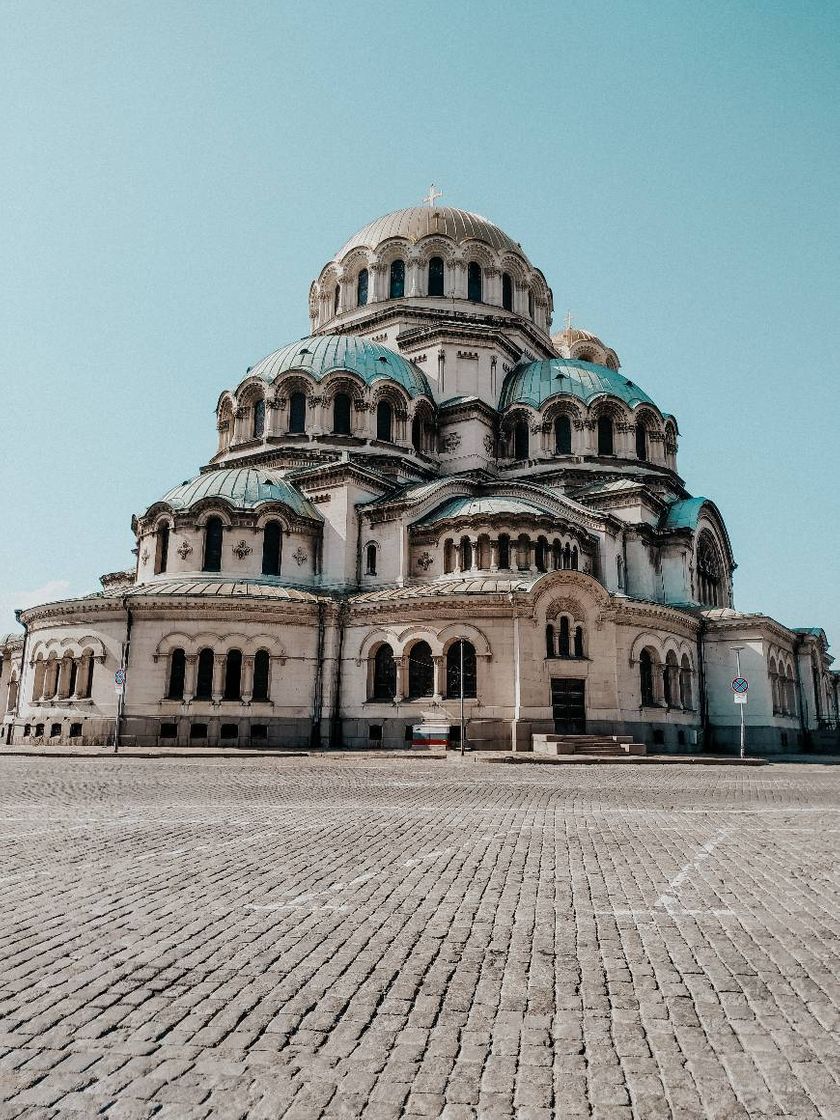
(335, 724)
(315, 735)
(18, 613)
(517, 691)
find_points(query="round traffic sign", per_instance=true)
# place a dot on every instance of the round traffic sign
(740, 685)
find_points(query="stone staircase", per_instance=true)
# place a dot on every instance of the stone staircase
(602, 746)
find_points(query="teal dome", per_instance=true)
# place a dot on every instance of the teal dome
(320, 354)
(537, 382)
(241, 488)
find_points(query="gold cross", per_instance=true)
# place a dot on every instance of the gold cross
(433, 194)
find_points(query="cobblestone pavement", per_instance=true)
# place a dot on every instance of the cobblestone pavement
(299, 938)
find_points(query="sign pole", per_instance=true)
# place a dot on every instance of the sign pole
(461, 645)
(740, 706)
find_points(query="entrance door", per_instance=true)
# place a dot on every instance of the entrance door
(568, 701)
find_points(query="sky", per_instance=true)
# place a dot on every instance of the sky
(175, 174)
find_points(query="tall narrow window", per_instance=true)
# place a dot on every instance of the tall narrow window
(563, 435)
(521, 440)
(507, 291)
(421, 671)
(86, 682)
(449, 555)
(504, 551)
(162, 548)
(204, 675)
(531, 305)
(362, 288)
(384, 421)
(370, 560)
(557, 555)
(540, 553)
(564, 642)
(549, 640)
(605, 436)
(336, 299)
(436, 276)
(341, 414)
(578, 641)
(646, 678)
(233, 675)
(466, 554)
(213, 534)
(417, 433)
(272, 544)
(177, 675)
(261, 664)
(396, 288)
(574, 559)
(453, 670)
(641, 442)
(297, 412)
(474, 282)
(258, 423)
(384, 674)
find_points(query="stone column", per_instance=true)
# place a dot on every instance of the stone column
(440, 669)
(219, 660)
(474, 564)
(400, 666)
(375, 272)
(64, 678)
(189, 676)
(494, 554)
(459, 280)
(413, 278)
(247, 678)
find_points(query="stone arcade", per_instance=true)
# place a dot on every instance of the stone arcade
(430, 479)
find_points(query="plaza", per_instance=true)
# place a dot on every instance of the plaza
(330, 937)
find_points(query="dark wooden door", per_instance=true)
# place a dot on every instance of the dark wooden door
(568, 701)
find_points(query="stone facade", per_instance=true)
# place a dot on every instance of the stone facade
(428, 496)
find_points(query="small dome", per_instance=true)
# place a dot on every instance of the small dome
(536, 382)
(573, 342)
(418, 222)
(320, 354)
(242, 488)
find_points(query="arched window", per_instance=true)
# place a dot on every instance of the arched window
(449, 555)
(362, 288)
(563, 436)
(530, 305)
(564, 643)
(540, 553)
(670, 680)
(549, 640)
(574, 559)
(272, 546)
(297, 412)
(646, 678)
(436, 276)
(261, 665)
(258, 421)
(567, 556)
(341, 414)
(177, 675)
(709, 572)
(213, 535)
(453, 670)
(507, 291)
(162, 548)
(474, 282)
(421, 671)
(557, 555)
(384, 674)
(686, 697)
(466, 554)
(504, 550)
(396, 289)
(521, 440)
(384, 421)
(13, 694)
(641, 442)
(370, 560)
(578, 646)
(605, 436)
(204, 675)
(336, 298)
(233, 675)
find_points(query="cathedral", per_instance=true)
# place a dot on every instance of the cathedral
(430, 512)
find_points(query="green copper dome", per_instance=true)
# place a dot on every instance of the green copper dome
(537, 382)
(242, 488)
(320, 354)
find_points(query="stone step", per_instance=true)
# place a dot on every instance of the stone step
(595, 745)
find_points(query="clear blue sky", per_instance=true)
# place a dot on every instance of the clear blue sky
(175, 174)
